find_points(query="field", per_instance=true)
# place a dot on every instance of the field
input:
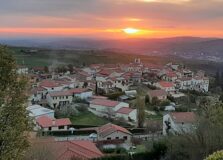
(87, 118)
(47, 57)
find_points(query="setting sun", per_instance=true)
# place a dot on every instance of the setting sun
(131, 30)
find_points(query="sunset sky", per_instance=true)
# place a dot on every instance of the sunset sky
(111, 18)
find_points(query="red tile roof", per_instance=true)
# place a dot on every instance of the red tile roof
(77, 90)
(68, 92)
(125, 110)
(62, 122)
(45, 121)
(157, 93)
(171, 74)
(83, 73)
(166, 84)
(66, 150)
(60, 93)
(106, 72)
(183, 117)
(49, 84)
(104, 102)
(109, 128)
(99, 97)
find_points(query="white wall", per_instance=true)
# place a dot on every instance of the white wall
(55, 128)
(116, 134)
(176, 127)
(56, 100)
(84, 95)
(132, 115)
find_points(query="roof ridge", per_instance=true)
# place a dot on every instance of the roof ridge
(72, 142)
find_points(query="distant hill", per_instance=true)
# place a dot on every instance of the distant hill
(178, 46)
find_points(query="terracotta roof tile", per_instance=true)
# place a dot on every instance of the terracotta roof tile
(45, 121)
(109, 128)
(183, 117)
(104, 102)
(125, 110)
(166, 84)
(157, 93)
(65, 150)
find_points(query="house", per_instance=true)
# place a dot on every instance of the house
(170, 76)
(81, 93)
(105, 86)
(22, 70)
(59, 99)
(129, 95)
(160, 94)
(187, 73)
(167, 86)
(36, 111)
(106, 108)
(65, 150)
(200, 84)
(113, 132)
(184, 83)
(51, 85)
(45, 123)
(37, 94)
(121, 83)
(178, 122)
(127, 113)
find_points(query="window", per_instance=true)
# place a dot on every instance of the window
(61, 127)
(109, 138)
(66, 97)
(125, 137)
(49, 128)
(116, 137)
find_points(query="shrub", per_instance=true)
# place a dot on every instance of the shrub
(82, 108)
(165, 103)
(216, 156)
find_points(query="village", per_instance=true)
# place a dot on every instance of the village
(95, 109)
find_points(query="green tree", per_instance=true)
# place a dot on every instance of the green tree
(14, 124)
(155, 101)
(221, 98)
(218, 78)
(70, 68)
(216, 156)
(46, 69)
(205, 139)
(140, 102)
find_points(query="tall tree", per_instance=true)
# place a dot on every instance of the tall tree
(14, 124)
(140, 102)
(46, 69)
(70, 68)
(217, 78)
